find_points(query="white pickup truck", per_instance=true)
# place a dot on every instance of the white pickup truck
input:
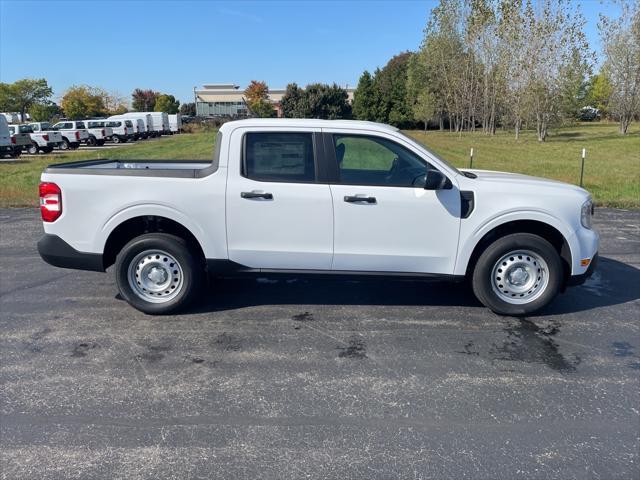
(316, 196)
(43, 138)
(72, 137)
(20, 138)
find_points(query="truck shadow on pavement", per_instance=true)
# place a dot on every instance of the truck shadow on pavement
(613, 283)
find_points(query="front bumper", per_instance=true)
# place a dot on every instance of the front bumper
(55, 251)
(575, 280)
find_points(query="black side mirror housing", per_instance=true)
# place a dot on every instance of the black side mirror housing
(436, 180)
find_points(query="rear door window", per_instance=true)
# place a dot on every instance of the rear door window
(279, 157)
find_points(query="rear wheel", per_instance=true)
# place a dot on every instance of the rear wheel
(32, 149)
(518, 274)
(116, 139)
(92, 141)
(64, 144)
(157, 273)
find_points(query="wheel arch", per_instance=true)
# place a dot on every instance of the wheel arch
(141, 224)
(536, 227)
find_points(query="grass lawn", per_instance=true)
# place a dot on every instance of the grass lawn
(612, 171)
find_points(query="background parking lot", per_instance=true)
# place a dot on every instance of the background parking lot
(286, 377)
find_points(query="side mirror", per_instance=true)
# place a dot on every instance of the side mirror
(436, 180)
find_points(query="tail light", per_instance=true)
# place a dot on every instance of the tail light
(13, 140)
(45, 137)
(77, 135)
(50, 201)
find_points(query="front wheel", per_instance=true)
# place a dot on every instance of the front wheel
(518, 274)
(158, 274)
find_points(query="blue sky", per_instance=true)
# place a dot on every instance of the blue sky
(172, 46)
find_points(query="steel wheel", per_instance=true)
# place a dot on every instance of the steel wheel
(155, 276)
(520, 277)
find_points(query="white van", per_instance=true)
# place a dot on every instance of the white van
(175, 123)
(122, 129)
(141, 123)
(161, 123)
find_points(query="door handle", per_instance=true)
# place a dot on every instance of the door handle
(250, 195)
(357, 199)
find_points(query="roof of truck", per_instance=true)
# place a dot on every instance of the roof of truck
(308, 122)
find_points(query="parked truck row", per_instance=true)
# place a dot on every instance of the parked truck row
(35, 137)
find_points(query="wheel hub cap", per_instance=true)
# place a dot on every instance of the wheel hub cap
(520, 277)
(155, 276)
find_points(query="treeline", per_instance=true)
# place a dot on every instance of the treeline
(34, 96)
(488, 64)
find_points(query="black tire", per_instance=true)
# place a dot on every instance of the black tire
(17, 151)
(100, 142)
(116, 139)
(47, 149)
(65, 144)
(74, 145)
(33, 149)
(190, 265)
(498, 300)
(92, 142)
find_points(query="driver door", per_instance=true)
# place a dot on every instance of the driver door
(384, 219)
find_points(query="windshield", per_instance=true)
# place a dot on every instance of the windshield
(113, 124)
(431, 152)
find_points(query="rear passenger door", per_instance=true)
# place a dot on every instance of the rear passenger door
(279, 213)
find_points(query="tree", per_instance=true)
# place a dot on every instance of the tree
(188, 109)
(114, 102)
(292, 102)
(365, 98)
(256, 96)
(83, 101)
(44, 112)
(22, 94)
(167, 103)
(425, 107)
(621, 46)
(599, 91)
(391, 83)
(317, 100)
(143, 100)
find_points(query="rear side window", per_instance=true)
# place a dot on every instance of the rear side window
(128, 123)
(279, 157)
(114, 124)
(94, 124)
(80, 125)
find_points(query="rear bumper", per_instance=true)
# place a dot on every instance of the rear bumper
(575, 280)
(55, 251)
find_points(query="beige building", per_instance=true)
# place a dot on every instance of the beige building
(227, 100)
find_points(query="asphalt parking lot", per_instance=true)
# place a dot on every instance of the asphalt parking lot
(297, 378)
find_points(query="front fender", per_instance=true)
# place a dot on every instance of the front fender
(476, 234)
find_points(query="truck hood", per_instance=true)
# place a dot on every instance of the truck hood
(516, 179)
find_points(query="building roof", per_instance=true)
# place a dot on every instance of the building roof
(308, 122)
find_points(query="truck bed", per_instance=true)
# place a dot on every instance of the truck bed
(142, 168)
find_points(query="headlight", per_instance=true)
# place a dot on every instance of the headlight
(585, 213)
